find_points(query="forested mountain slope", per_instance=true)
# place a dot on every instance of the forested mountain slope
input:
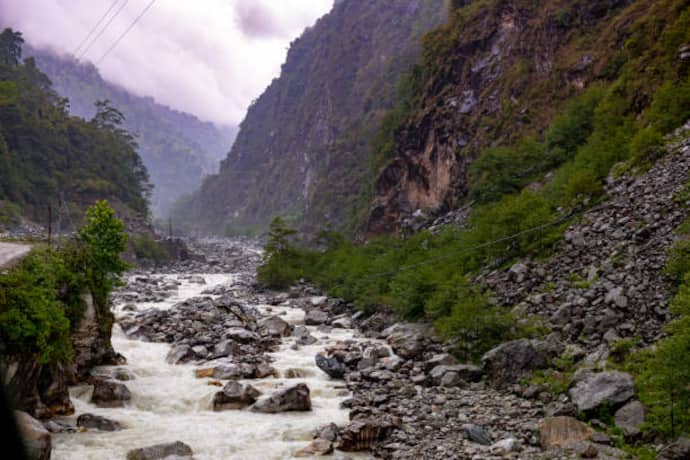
(178, 149)
(303, 150)
(48, 157)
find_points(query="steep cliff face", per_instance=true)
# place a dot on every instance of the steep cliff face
(302, 149)
(499, 70)
(177, 148)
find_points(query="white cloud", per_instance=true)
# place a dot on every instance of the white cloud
(209, 57)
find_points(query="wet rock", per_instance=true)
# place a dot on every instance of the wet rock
(295, 398)
(175, 450)
(97, 422)
(477, 434)
(123, 375)
(37, 439)
(241, 335)
(315, 317)
(328, 432)
(679, 450)
(362, 434)
(630, 418)
(294, 373)
(508, 362)
(562, 432)
(235, 396)
(179, 354)
(331, 366)
(110, 394)
(612, 387)
(276, 326)
(342, 323)
(317, 447)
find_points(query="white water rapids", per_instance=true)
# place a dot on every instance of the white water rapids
(169, 404)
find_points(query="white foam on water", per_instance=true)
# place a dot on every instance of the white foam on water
(169, 404)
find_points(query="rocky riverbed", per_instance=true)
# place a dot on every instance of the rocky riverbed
(219, 368)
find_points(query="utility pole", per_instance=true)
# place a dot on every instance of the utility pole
(50, 222)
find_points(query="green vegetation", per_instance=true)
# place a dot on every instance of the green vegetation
(47, 155)
(41, 299)
(147, 248)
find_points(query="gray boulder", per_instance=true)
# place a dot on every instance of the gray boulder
(37, 441)
(175, 449)
(315, 317)
(464, 372)
(510, 361)
(235, 396)
(276, 326)
(630, 418)
(295, 398)
(477, 434)
(97, 422)
(331, 366)
(406, 340)
(110, 394)
(613, 388)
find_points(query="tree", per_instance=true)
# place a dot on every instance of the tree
(10, 47)
(279, 234)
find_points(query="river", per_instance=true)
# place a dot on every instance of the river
(170, 404)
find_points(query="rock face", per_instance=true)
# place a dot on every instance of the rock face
(299, 145)
(511, 360)
(110, 394)
(97, 422)
(295, 398)
(613, 388)
(161, 451)
(36, 438)
(235, 396)
(562, 432)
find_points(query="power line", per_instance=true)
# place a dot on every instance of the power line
(105, 27)
(93, 29)
(126, 31)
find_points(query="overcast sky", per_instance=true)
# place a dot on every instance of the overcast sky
(207, 57)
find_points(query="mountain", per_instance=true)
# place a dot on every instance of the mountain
(178, 149)
(499, 71)
(49, 157)
(303, 150)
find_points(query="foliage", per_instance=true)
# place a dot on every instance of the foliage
(147, 248)
(678, 264)
(41, 298)
(282, 261)
(46, 155)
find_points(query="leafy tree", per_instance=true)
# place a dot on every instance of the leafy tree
(10, 47)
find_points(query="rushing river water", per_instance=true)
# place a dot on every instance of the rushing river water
(169, 404)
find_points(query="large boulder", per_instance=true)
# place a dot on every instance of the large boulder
(562, 432)
(295, 398)
(97, 422)
(406, 340)
(235, 396)
(679, 450)
(276, 326)
(175, 450)
(331, 366)
(477, 434)
(37, 441)
(315, 317)
(362, 434)
(510, 361)
(110, 394)
(612, 388)
(630, 418)
(463, 372)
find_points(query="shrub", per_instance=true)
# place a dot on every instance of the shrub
(678, 264)
(146, 248)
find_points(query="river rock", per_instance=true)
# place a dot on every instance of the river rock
(630, 418)
(276, 326)
(406, 340)
(504, 447)
(110, 394)
(179, 354)
(295, 398)
(562, 432)
(679, 450)
(241, 335)
(174, 450)
(331, 366)
(235, 396)
(611, 387)
(37, 439)
(464, 372)
(315, 317)
(477, 434)
(362, 434)
(317, 447)
(510, 361)
(97, 422)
